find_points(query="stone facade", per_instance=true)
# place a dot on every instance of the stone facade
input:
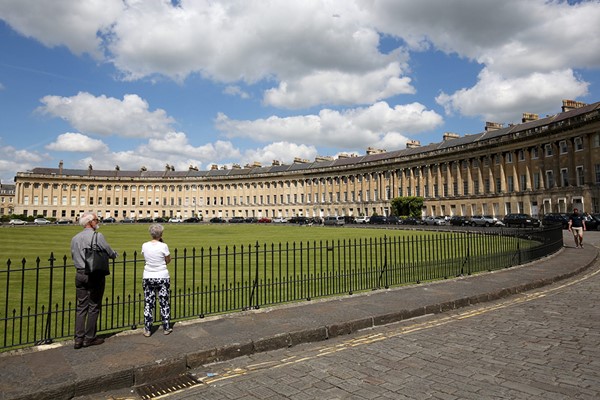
(7, 199)
(541, 165)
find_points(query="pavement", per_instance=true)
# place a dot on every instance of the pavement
(128, 359)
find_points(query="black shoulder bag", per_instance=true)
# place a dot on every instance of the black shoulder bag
(96, 258)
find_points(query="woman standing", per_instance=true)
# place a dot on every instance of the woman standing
(156, 279)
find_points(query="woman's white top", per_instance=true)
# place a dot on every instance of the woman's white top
(154, 253)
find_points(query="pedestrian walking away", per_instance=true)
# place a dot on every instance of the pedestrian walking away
(577, 226)
(89, 289)
(156, 279)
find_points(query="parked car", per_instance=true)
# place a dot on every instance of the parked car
(298, 220)
(127, 221)
(393, 220)
(556, 218)
(279, 220)
(362, 219)
(521, 220)
(592, 222)
(237, 220)
(251, 220)
(217, 220)
(109, 220)
(433, 220)
(145, 220)
(460, 220)
(192, 220)
(41, 221)
(333, 220)
(175, 220)
(64, 221)
(378, 220)
(264, 220)
(485, 220)
(411, 221)
(17, 222)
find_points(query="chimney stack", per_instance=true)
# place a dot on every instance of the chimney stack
(413, 144)
(569, 105)
(450, 136)
(492, 126)
(528, 117)
(373, 150)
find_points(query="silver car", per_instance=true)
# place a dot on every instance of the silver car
(435, 220)
(484, 220)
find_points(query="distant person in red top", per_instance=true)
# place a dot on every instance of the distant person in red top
(577, 226)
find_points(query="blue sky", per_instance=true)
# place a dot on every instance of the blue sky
(196, 83)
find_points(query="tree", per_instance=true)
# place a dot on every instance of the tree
(407, 206)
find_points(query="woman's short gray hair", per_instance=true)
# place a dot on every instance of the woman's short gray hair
(156, 231)
(86, 218)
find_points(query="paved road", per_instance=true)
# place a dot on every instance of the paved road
(544, 344)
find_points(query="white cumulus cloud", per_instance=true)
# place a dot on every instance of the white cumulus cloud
(496, 98)
(76, 142)
(103, 115)
(173, 149)
(279, 151)
(177, 144)
(13, 159)
(339, 87)
(234, 90)
(77, 25)
(351, 129)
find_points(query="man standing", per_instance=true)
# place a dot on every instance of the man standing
(89, 289)
(577, 226)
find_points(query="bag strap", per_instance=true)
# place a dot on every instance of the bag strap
(94, 242)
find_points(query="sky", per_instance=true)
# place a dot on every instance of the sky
(196, 83)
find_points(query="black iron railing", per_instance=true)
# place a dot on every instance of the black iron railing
(38, 305)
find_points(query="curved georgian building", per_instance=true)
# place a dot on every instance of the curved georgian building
(541, 165)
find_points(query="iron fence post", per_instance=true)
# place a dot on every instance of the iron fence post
(255, 282)
(48, 332)
(6, 303)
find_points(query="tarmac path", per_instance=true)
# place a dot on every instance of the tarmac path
(541, 344)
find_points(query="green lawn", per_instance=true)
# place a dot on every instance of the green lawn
(30, 242)
(226, 271)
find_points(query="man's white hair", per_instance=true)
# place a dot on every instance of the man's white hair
(86, 218)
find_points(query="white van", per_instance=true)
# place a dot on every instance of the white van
(334, 221)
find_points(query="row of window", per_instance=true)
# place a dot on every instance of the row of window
(227, 200)
(193, 187)
(510, 183)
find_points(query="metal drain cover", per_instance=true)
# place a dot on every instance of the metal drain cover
(163, 387)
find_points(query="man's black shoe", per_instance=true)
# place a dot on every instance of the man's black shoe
(78, 344)
(94, 342)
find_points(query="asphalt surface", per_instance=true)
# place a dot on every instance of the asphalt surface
(129, 359)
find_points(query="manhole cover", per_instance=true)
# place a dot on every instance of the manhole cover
(157, 389)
